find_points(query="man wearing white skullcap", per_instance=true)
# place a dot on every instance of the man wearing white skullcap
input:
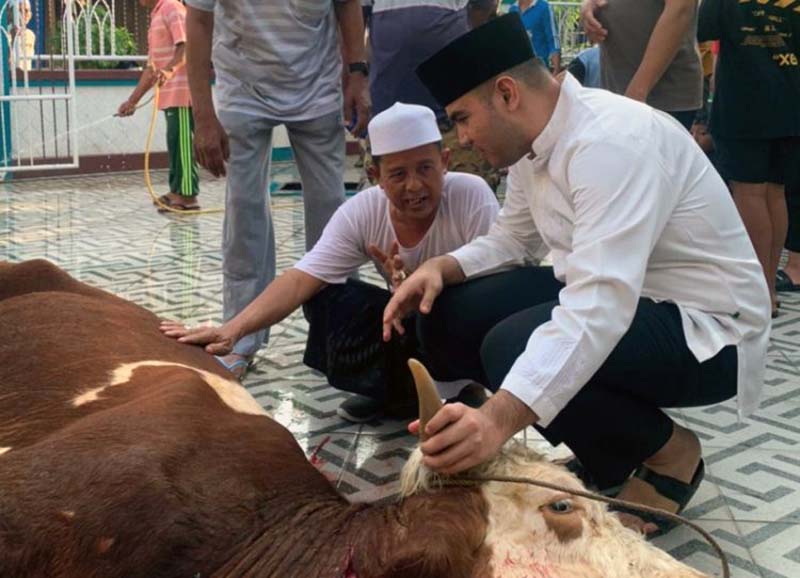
(417, 211)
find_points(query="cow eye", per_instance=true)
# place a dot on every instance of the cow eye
(561, 507)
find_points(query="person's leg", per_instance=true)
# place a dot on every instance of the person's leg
(451, 335)
(173, 148)
(181, 193)
(791, 271)
(776, 204)
(248, 243)
(615, 423)
(753, 205)
(792, 267)
(319, 149)
(747, 163)
(344, 343)
(191, 163)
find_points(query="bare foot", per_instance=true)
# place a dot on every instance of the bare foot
(679, 459)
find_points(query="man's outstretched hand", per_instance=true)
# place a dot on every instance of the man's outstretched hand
(418, 292)
(217, 340)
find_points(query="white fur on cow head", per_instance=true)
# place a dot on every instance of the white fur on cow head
(536, 533)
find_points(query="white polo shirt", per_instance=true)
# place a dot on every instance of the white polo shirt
(630, 207)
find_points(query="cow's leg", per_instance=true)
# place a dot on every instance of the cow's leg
(34, 276)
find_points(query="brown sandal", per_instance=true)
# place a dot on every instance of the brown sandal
(167, 204)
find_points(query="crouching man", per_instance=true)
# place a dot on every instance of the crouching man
(416, 212)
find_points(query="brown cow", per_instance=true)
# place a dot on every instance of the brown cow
(126, 454)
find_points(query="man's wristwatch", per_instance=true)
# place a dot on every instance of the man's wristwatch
(361, 67)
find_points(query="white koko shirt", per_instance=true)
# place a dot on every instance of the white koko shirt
(630, 207)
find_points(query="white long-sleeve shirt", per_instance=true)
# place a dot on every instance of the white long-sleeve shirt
(629, 207)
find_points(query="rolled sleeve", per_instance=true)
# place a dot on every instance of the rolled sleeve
(512, 241)
(620, 213)
(176, 21)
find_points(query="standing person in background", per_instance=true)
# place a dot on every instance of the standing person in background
(275, 63)
(754, 118)
(537, 16)
(402, 35)
(23, 44)
(585, 67)
(699, 129)
(166, 44)
(648, 52)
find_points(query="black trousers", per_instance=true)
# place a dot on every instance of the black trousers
(345, 343)
(615, 422)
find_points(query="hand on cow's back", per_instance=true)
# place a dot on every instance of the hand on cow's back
(216, 340)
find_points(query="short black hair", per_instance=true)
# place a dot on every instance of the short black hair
(532, 73)
(376, 159)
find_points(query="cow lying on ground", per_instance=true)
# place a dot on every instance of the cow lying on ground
(126, 454)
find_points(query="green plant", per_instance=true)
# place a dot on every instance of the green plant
(125, 44)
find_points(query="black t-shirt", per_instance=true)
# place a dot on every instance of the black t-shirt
(758, 72)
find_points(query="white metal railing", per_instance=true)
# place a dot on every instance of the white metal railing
(94, 34)
(573, 39)
(22, 143)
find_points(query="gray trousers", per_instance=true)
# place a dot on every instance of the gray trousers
(248, 241)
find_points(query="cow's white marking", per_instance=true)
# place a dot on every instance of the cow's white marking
(4, 450)
(230, 392)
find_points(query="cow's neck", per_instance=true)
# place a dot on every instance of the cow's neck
(433, 535)
(330, 538)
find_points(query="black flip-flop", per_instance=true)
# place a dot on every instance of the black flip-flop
(675, 490)
(784, 283)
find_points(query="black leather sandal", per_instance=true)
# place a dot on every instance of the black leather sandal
(679, 492)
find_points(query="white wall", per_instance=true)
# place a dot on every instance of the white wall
(99, 132)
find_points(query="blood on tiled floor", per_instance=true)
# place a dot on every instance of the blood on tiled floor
(104, 231)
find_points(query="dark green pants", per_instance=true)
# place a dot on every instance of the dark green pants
(182, 168)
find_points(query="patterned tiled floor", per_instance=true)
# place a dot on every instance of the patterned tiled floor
(104, 231)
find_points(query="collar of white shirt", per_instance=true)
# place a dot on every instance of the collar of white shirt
(543, 145)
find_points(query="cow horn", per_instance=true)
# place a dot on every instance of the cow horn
(429, 401)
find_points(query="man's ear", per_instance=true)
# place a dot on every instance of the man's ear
(446, 155)
(373, 172)
(506, 93)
